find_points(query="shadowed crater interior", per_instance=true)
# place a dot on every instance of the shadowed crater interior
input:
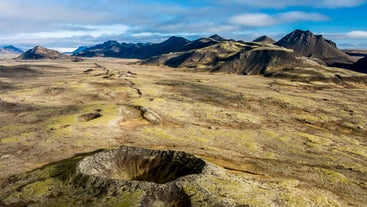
(132, 163)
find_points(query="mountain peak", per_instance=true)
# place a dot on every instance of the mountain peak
(264, 39)
(308, 44)
(110, 43)
(40, 52)
(217, 37)
(175, 39)
(10, 49)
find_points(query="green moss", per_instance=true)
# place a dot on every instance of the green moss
(333, 176)
(270, 133)
(17, 139)
(32, 191)
(315, 140)
(66, 125)
(124, 199)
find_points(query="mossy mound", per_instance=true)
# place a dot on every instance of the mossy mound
(88, 180)
(131, 163)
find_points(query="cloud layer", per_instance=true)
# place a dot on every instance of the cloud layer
(262, 19)
(291, 3)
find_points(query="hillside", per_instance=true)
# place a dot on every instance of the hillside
(360, 65)
(39, 52)
(254, 58)
(231, 57)
(10, 49)
(315, 46)
(264, 39)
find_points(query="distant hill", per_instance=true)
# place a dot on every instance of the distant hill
(79, 49)
(11, 49)
(264, 39)
(310, 45)
(356, 53)
(146, 50)
(217, 38)
(39, 52)
(360, 65)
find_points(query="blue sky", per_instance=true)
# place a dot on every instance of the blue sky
(67, 24)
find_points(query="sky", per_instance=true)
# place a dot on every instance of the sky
(68, 24)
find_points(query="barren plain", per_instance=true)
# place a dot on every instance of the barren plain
(273, 141)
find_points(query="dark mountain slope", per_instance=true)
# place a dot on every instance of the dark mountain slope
(11, 49)
(255, 58)
(173, 44)
(218, 38)
(231, 57)
(264, 39)
(360, 65)
(147, 50)
(310, 45)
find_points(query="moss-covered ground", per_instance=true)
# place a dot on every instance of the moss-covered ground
(280, 141)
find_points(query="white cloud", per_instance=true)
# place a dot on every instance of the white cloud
(290, 3)
(81, 30)
(357, 34)
(262, 19)
(253, 20)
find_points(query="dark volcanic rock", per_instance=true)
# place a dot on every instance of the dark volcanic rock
(89, 116)
(360, 65)
(39, 52)
(264, 39)
(310, 45)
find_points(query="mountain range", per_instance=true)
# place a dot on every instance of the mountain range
(10, 49)
(145, 50)
(215, 53)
